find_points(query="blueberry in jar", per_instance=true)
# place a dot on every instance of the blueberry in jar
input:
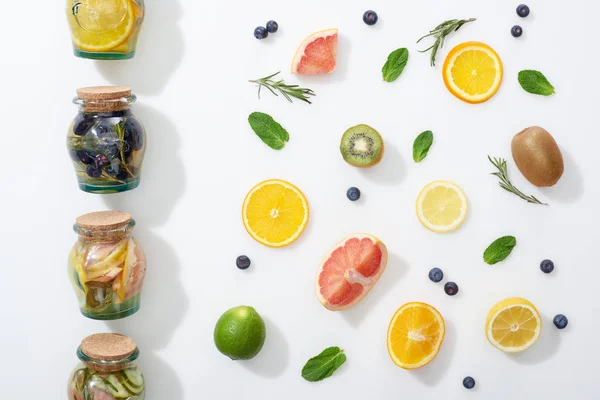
(82, 125)
(85, 157)
(133, 134)
(93, 171)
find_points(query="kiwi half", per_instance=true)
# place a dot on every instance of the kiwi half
(362, 146)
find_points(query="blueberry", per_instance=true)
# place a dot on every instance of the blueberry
(102, 161)
(370, 17)
(93, 171)
(353, 194)
(123, 175)
(242, 262)
(436, 275)
(85, 157)
(516, 31)
(547, 266)
(469, 382)
(522, 10)
(560, 321)
(82, 125)
(451, 288)
(134, 134)
(261, 32)
(272, 26)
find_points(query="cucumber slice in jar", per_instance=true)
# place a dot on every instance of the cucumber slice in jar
(131, 387)
(134, 376)
(116, 388)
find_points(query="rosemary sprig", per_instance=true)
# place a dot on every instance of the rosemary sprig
(288, 91)
(505, 184)
(440, 32)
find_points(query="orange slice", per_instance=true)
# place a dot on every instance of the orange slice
(415, 335)
(317, 53)
(275, 213)
(472, 72)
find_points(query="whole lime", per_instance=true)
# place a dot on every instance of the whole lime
(240, 333)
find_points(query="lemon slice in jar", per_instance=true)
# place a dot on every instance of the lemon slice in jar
(101, 25)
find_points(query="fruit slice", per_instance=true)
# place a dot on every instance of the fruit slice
(415, 335)
(472, 72)
(101, 25)
(349, 270)
(442, 206)
(317, 53)
(275, 213)
(362, 146)
(513, 325)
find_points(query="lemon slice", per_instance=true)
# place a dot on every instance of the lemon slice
(415, 335)
(275, 213)
(513, 325)
(442, 206)
(473, 72)
(101, 25)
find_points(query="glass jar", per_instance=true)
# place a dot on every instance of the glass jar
(106, 141)
(108, 370)
(107, 266)
(105, 29)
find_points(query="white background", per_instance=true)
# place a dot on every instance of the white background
(190, 75)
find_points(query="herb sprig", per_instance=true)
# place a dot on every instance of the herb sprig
(440, 32)
(288, 91)
(505, 183)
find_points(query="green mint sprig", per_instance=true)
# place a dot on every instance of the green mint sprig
(268, 130)
(421, 146)
(395, 64)
(499, 249)
(324, 365)
(535, 82)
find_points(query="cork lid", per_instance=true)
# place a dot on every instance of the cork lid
(103, 93)
(108, 346)
(103, 220)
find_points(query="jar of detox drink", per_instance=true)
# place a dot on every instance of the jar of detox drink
(106, 141)
(105, 29)
(108, 370)
(107, 265)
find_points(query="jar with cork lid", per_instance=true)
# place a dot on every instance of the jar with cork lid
(107, 266)
(106, 141)
(105, 29)
(108, 370)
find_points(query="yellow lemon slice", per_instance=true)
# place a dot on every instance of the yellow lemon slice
(101, 25)
(415, 335)
(275, 213)
(473, 72)
(442, 206)
(513, 325)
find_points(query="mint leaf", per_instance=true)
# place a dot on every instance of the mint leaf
(535, 82)
(421, 146)
(323, 365)
(395, 64)
(499, 249)
(268, 130)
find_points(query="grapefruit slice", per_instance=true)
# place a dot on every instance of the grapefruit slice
(317, 53)
(349, 270)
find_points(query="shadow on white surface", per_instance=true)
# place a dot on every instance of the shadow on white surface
(160, 378)
(273, 359)
(394, 271)
(432, 373)
(159, 52)
(569, 188)
(341, 68)
(163, 173)
(390, 171)
(544, 349)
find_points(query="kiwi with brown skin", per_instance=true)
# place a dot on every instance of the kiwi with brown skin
(537, 156)
(362, 146)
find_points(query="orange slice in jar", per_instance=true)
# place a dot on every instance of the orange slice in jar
(101, 25)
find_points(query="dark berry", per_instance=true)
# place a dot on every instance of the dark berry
(93, 171)
(242, 262)
(102, 161)
(451, 288)
(102, 131)
(353, 194)
(82, 125)
(123, 175)
(547, 266)
(436, 275)
(85, 157)
(110, 170)
(261, 32)
(134, 134)
(523, 10)
(370, 17)
(560, 321)
(516, 31)
(272, 26)
(469, 382)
